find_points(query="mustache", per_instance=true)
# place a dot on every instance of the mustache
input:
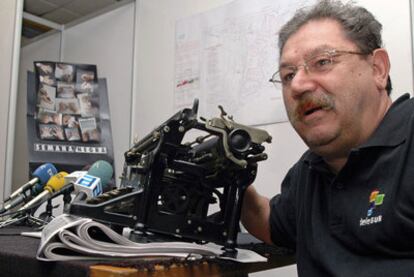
(310, 102)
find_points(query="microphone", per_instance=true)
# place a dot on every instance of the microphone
(73, 176)
(95, 181)
(103, 170)
(20, 198)
(41, 175)
(55, 183)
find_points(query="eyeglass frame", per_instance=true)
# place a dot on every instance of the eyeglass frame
(275, 79)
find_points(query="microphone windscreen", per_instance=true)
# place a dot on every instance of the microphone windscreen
(44, 172)
(103, 170)
(56, 182)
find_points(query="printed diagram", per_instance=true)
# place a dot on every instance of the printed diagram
(228, 60)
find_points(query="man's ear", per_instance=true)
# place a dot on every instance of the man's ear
(381, 67)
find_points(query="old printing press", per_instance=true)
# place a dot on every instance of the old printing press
(193, 191)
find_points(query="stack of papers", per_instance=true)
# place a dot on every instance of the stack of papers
(72, 238)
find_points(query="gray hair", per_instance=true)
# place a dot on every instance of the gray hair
(359, 25)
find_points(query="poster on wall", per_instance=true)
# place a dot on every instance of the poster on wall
(68, 119)
(226, 57)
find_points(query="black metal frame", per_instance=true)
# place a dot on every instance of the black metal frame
(169, 188)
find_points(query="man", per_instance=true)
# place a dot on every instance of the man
(347, 206)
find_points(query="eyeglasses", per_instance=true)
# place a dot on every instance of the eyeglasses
(320, 63)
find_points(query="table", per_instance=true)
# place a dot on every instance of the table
(18, 258)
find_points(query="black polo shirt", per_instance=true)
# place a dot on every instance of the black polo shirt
(359, 222)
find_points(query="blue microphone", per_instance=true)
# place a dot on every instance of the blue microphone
(41, 175)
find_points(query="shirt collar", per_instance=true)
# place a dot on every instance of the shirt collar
(388, 134)
(391, 131)
(315, 161)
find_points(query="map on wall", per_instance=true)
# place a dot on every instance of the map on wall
(226, 57)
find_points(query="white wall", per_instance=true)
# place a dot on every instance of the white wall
(397, 38)
(10, 28)
(154, 77)
(106, 41)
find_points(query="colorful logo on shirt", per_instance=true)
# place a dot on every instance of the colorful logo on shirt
(375, 199)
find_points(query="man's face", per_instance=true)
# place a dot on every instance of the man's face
(329, 110)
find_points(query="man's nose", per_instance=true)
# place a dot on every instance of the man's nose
(302, 82)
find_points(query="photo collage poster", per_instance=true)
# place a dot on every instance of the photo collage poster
(67, 102)
(68, 119)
